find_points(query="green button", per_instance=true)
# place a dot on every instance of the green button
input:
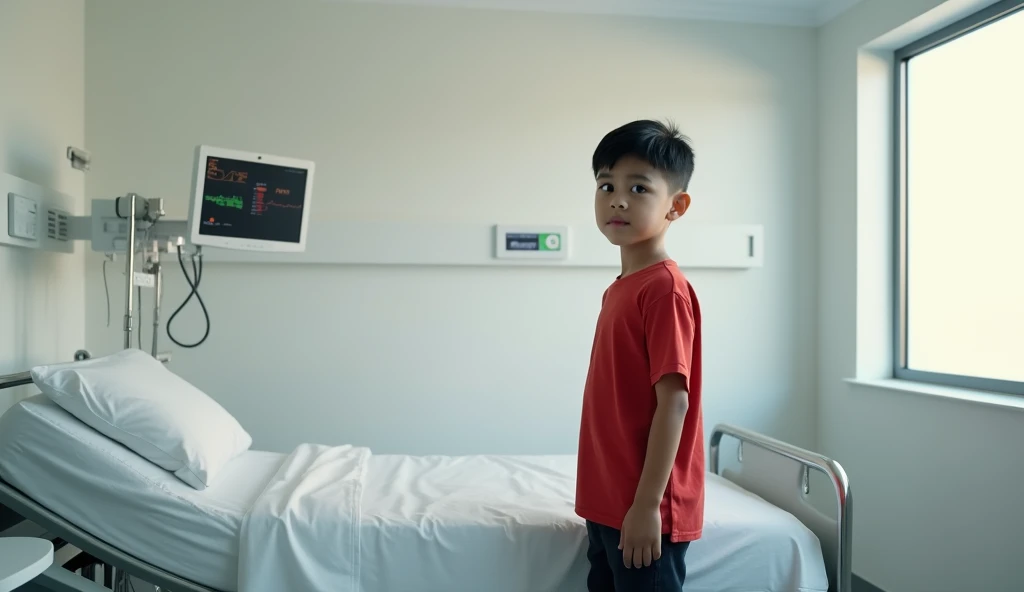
(550, 242)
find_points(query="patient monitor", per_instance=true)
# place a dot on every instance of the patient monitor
(249, 201)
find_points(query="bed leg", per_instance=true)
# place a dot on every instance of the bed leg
(79, 562)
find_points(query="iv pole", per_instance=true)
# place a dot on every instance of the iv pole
(130, 273)
(157, 272)
(152, 210)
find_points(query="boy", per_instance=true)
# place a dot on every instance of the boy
(640, 474)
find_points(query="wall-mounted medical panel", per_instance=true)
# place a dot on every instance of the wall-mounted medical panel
(354, 242)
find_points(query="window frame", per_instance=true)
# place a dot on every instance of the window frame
(952, 32)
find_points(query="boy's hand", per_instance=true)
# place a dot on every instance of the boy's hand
(640, 539)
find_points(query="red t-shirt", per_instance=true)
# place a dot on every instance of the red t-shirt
(649, 326)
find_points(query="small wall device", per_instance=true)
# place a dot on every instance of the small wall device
(22, 217)
(531, 242)
(249, 201)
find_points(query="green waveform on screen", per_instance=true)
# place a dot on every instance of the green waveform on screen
(225, 201)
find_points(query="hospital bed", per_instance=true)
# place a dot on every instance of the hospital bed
(426, 523)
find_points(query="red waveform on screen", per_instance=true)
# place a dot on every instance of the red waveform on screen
(273, 203)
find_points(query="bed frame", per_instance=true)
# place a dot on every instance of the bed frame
(780, 473)
(776, 471)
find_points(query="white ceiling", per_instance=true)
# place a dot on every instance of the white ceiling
(778, 12)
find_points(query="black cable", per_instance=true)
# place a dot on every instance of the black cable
(106, 290)
(194, 287)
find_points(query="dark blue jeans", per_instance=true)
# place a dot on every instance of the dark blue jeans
(608, 573)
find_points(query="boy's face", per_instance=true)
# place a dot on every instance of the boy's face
(636, 202)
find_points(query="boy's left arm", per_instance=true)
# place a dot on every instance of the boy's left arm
(641, 529)
(670, 331)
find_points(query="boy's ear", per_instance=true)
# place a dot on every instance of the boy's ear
(680, 203)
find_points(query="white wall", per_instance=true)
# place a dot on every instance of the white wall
(41, 113)
(937, 482)
(455, 115)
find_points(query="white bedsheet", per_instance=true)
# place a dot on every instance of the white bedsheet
(506, 523)
(749, 545)
(494, 523)
(302, 533)
(499, 523)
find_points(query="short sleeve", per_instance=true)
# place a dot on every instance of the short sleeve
(669, 331)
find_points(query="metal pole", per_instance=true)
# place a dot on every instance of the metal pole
(157, 273)
(16, 379)
(130, 273)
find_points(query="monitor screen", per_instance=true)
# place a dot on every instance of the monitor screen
(249, 201)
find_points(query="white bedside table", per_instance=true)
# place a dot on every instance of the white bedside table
(22, 559)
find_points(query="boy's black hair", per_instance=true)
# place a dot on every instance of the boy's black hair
(660, 144)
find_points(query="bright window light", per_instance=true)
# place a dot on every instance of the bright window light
(964, 208)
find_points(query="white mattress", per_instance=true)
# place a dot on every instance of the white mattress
(425, 520)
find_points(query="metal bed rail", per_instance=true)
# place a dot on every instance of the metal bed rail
(16, 379)
(842, 562)
(22, 378)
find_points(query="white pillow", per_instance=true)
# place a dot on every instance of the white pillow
(132, 398)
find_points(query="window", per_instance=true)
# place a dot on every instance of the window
(960, 207)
